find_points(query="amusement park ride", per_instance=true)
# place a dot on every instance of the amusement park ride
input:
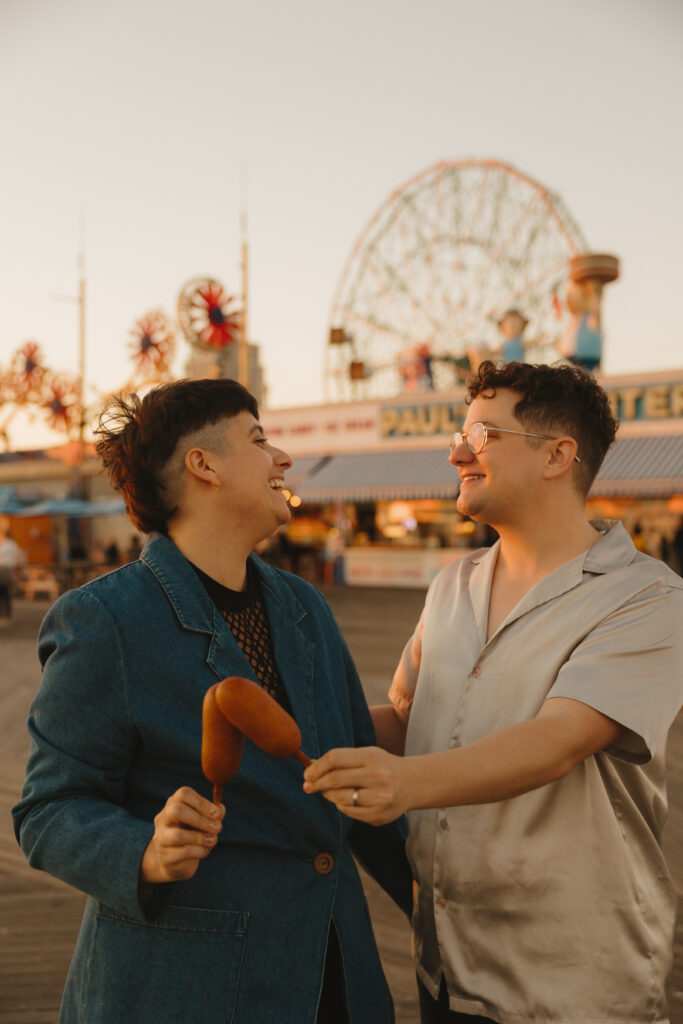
(450, 270)
(208, 317)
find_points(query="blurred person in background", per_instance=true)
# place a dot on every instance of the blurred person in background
(677, 546)
(12, 557)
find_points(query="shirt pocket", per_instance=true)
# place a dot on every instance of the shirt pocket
(185, 965)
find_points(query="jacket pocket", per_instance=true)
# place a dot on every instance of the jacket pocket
(183, 966)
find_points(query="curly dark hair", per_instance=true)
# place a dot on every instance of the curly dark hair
(138, 438)
(558, 399)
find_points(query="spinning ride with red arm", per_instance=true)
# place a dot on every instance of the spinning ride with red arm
(152, 344)
(208, 315)
(27, 372)
(62, 401)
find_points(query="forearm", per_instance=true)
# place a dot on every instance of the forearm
(90, 844)
(390, 728)
(375, 786)
(500, 766)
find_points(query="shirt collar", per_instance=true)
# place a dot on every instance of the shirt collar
(614, 549)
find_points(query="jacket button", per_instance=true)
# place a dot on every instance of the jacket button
(324, 863)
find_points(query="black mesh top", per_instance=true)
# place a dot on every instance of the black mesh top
(245, 615)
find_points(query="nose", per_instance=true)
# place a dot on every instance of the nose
(460, 453)
(282, 459)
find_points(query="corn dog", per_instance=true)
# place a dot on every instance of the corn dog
(222, 745)
(233, 709)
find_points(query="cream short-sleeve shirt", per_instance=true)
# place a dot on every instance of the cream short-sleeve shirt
(557, 905)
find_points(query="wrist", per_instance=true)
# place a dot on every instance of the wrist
(150, 868)
(409, 783)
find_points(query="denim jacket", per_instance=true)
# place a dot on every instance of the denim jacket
(116, 729)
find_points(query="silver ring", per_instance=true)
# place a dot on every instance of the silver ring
(354, 798)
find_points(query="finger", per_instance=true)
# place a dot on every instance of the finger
(189, 796)
(199, 814)
(356, 801)
(349, 799)
(340, 757)
(371, 815)
(338, 778)
(185, 867)
(183, 838)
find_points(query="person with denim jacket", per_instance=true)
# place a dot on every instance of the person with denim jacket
(252, 912)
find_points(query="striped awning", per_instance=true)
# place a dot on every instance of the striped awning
(303, 468)
(378, 476)
(634, 466)
(642, 467)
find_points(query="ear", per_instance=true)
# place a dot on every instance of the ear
(197, 462)
(561, 457)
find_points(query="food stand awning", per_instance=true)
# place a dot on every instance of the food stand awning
(642, 467)
(302, 469)
(72, 508)
(382, 476)
(634, 466)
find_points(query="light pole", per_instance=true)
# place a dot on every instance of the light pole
(243, 339)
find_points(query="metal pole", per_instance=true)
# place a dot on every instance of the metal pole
(243, 341)
(243, 352)
(81, 347)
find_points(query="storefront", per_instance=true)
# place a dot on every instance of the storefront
(372, 487)
(373, 494)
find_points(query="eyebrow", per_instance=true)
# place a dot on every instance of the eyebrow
(493, 426)
(256, 429)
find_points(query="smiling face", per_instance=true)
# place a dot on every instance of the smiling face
(249, 475)
(500, 484)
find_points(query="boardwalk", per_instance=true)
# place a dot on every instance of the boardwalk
(39, 916)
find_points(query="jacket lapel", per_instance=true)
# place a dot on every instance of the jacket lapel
(194, 608)
(294, 652)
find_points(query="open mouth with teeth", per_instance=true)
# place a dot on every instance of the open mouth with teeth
(277, 484)
(468, 478)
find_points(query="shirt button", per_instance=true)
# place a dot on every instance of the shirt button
(443, 825)
(442, 901)
(476, 671)
(323, 863)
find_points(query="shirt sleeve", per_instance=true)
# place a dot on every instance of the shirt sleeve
(404, 683)
(630, 668)
(70, 821)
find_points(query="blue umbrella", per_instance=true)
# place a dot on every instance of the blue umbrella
(10, 504)
(72, 508)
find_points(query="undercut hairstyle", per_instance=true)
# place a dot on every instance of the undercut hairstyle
(559, 400)
(142, 442)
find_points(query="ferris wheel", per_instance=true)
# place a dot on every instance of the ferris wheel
(436, 269)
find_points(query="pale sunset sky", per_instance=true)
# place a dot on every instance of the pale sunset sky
(128, 125)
